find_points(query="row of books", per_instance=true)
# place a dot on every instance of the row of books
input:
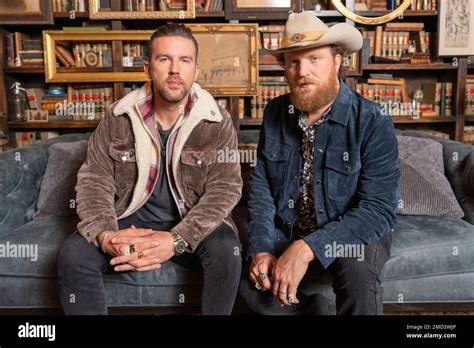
(270, 36)
(162, 5)
(77, 102)
(22, 50)
(437, 99)
(269, 87)
(469, 101)
(27, 138)
(70, 5)
(380, 5)
(85, 54)
(395, 39)
(134, 53)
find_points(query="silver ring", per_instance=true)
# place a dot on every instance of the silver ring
(258, 286)
(282, 292)
(262, 276)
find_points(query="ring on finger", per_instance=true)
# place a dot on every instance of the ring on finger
(262, 276)
(258, 286)
(140, 254)
(132, 248)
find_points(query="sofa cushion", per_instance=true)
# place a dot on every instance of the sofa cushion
(424, 189)
(47, 233)
(57, 195)
(425, 253)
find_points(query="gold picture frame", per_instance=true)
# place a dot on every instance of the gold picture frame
(236, 74)
(26, 12)
(95, 13)
(371, 20)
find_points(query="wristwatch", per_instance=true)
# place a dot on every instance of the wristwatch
(178, 245)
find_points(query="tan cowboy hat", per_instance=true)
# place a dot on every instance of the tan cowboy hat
(305, 30)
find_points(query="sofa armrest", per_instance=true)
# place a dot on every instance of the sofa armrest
(467, 202)
(21, 172)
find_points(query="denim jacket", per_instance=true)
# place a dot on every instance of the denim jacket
(356, 177)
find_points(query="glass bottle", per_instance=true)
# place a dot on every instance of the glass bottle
(18, 103)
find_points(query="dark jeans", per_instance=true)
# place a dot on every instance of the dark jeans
(357, 285)
(81, 265)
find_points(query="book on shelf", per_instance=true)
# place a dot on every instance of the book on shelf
(395, 40)
(270, 36)
(22, 50)
(162, 5)
(469, 134)
(84, 55)
(135, 53)
(70, 5)
(469, 100)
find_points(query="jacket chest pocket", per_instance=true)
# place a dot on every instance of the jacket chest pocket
(342, 174)
(277, 159)
(196, 165)
(125, 163)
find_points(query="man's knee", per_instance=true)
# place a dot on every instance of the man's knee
(76, 255)
(222, 245)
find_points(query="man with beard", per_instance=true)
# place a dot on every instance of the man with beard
(325, 184)
(151, 189)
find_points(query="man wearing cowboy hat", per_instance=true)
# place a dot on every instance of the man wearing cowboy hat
(325, 184)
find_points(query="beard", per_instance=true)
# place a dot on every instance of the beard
(321, 95)
(172, 96)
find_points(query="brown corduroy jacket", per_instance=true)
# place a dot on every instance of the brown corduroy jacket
(114, 180)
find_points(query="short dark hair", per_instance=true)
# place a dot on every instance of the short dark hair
(335, 50)
(172, 29)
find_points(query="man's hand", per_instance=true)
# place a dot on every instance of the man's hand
(261, 269)
(151, 251)
(290, 270)
(139, 234)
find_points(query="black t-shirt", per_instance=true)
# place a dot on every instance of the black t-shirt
(161, 206)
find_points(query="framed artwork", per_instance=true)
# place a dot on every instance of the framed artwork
(456, 28)
(228, 58)
(37, 115)
(142, 9)
(26, 12)
(261, 9)
(352, 64)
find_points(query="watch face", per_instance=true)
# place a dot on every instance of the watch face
(179, 247)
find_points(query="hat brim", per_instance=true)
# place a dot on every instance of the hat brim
(341, 34)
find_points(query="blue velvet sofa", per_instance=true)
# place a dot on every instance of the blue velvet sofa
(423, 274)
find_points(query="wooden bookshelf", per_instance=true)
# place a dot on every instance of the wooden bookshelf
(77, 14)
(52, 125)
(437, 119)
(407, 13)
(401, 66)
(24, 70)
(469, 118)
(210, 14)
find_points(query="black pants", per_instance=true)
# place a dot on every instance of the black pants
(356, 284)
(81, 265)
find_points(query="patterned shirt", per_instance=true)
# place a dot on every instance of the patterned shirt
(307, 222)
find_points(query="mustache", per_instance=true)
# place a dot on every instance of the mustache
(305, 80)
(175, 79)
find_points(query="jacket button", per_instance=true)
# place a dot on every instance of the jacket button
(88, 234)
(196, 238)
(320, 211)
(320, 150)
(348, 168)
(318, 182)
(199, 162)
(298, 148)
(294, 178)
(273, 156)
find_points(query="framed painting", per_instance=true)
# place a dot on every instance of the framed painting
(26, 12)
(261, 9)
(228, 58)
(142, 9)
(456, 28)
